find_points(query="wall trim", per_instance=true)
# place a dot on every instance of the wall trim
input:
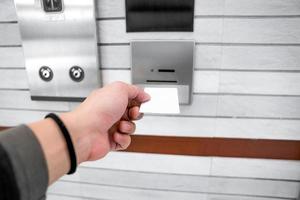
(216, 147)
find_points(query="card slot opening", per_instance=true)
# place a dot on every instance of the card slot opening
(167, 70)
(161, 81)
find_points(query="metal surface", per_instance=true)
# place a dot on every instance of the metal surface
(60, 41)
(164, 64)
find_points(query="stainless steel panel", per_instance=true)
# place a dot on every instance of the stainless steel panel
(164, 64)
(59, 40)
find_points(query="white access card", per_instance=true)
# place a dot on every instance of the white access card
(163, 101)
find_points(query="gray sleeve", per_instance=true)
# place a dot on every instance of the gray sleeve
(28, 162)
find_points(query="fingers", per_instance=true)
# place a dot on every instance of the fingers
(121, 141)
(134, 113)
(127, 127)
(134, 92)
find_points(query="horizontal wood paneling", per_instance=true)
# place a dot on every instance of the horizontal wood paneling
(188, 126)
(219, 127)
(208, 197)
(196, 146)
(186, 183)
(238, 197)
(21, 100)
(282, 83)
(256, 168)
(224, 57)
(7, 11)
(114, 193)
(9, 34)
(116, 8)
(283, 58)
(258, 83)
(60, 197)
(173, 164)
(258, 106)
(277, 107)
(214, 30)
(11, 57)
(216, 166)
(16, 117)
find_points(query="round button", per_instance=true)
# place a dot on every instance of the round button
(76, 73)
(46, 73)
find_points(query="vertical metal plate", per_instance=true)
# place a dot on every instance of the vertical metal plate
(60, 41)
(164, 64)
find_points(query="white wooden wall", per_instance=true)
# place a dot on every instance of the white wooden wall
(247, 85)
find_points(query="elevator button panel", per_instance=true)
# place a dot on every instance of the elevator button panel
(59, 40)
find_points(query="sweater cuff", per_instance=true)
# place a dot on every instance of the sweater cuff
(28, 161)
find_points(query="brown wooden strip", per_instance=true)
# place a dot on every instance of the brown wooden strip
(3, 128)
(223, 147)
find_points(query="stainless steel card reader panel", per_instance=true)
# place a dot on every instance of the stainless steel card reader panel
(164, 64)
(60, 47)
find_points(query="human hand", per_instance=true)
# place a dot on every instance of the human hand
(104, 121)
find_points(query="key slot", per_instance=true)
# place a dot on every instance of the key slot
(167, 70)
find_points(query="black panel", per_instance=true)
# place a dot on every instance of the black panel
(159, 15)
(53, 5)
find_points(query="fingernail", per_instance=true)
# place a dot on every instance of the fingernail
(148, 96)
(141, 115)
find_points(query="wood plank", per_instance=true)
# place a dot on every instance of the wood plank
(224, 147)
(153, 163)
(190, 183)
(258, 106)
(219, 127)
(207, 57)
(229, 30)
(9, 34)
(13, 79)
(256, 168)
(216, 105)
(239, 197)
(116, 8)
(257, 128)
(231, 82)
(216, 30)
(22, 100)
(260, 57)
(11, 57)
(220, 147)
(262, 30)
(189, 126)
(225, 167)
(262, 7)
(258, 83)
(274, 83)
(219, 57)
(7, 11)
(114, 193)
(17, 117)
(61, 197)
(205, 30)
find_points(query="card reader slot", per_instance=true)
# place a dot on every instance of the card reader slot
(161, 81)
(167, 70)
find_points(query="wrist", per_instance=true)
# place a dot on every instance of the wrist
(77, 132)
